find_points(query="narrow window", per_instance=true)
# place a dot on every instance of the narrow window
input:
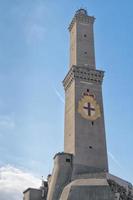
(90, 147)
(92, 123)
(85, 35)
(68, 160)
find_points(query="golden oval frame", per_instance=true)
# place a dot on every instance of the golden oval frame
(91, 100)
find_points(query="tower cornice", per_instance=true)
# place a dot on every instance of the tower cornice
(83, 18)
(83, 74)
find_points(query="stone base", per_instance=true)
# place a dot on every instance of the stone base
(87, 189)
(65, 184)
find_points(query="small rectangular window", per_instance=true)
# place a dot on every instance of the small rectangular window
(92, 123)
(68, 160)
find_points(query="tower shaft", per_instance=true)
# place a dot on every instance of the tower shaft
(84, 115)
(82, 40)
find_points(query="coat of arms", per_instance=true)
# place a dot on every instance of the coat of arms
(88, 107)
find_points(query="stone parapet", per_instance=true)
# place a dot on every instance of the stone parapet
(81, 16)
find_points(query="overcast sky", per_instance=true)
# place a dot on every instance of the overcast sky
(34, 57)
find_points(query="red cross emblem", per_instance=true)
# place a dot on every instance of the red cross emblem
(89, 109)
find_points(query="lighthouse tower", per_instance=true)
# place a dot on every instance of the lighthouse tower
(84, 115)
(81, 171)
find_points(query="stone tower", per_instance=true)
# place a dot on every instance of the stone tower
(84, 116)
(82, 40)
(81, 171)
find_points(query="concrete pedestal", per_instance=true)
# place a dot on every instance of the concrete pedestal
(87, 189)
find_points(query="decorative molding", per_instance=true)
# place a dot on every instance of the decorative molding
(83, 74)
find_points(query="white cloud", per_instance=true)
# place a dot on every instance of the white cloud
(32, 20)
(35, 32)
(14, 181)
(34, 27)
(6, 122)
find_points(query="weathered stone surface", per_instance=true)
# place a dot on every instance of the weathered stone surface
(82, 40)
(84, 138)
(85, 189)
(61, 175)
(35, 194)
